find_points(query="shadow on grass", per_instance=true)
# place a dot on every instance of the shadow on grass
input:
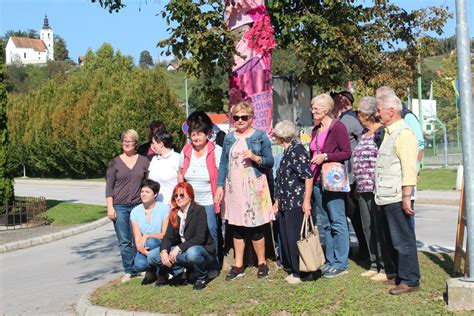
(53, 203)
(442, 260)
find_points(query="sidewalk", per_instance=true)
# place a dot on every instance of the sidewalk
(438, 197)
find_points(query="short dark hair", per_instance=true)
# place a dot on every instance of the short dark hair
(199, 127)
(156, 127)
(199, 116)
(165, 138)
(153, 185)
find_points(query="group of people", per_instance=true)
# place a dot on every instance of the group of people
(169, 208)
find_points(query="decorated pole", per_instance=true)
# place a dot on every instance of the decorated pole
(251, 78)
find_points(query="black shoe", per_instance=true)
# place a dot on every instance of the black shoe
(235, 273)
(262, 271)
(212, 274)
(150, 276)
(199, 285)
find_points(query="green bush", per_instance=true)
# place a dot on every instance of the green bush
(70, 127)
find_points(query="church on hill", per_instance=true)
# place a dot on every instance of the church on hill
(26, 51)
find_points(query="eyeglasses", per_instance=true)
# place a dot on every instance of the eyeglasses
(128, 142)
(181, 196)
(244, 118)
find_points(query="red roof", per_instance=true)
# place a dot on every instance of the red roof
(24, 42)
(218, 118)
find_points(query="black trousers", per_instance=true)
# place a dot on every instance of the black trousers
(290, 222)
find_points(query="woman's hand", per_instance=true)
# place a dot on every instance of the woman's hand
(218, 196)
(111, 214)
(275, 207)
(141, 245)
(318, 159)
(248, 155)
(173, 254)
(165, 259)
(306, 208)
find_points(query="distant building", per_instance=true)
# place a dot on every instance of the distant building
(172, 66)
(26, 51)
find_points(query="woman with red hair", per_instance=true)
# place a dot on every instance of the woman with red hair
(187, 242)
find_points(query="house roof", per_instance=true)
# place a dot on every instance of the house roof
(24, 42)
(218, 118)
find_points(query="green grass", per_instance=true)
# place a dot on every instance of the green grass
(349, 294)
(64, 213)
(437, 179)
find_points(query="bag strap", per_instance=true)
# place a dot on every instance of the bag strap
(304, 229)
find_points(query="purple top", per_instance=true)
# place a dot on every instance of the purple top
(364, 158)
(122, 183)
(336, 145)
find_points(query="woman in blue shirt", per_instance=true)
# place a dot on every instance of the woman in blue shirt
(149, 222)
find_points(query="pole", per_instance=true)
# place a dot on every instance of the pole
(186, 96)
(467, 122)
(458, 141)
(420, 97)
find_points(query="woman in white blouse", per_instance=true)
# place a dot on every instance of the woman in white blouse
(164, 167)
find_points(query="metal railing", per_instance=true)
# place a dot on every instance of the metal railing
(24, 212)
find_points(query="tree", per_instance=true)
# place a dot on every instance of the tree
(6, 177)
(61, 53)
(70, 127)
(146, 60)
(335, 40)
(29, 33)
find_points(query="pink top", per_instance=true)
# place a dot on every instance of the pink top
(321, 139)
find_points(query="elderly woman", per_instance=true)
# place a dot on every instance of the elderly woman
(187, 242)
(198, 166)
(149, 221)
(246, 155)
(294, 183)
(374, 223)
(330, 143)
(124, 177)
(164, 166)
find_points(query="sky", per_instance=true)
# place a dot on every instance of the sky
(137, 27)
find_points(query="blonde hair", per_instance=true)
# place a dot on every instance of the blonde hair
(130, 133)
(324, 100)
(245, 106)
(285, 130)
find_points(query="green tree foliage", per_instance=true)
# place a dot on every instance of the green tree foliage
(6, 177)
(146, 60)
(334, 40)
(29, 33)
(61, 53)
(71, 127)
(208, 94)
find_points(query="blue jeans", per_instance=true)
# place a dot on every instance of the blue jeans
(404, 242)
(318, 211)
(142, 262)
(196, 257)
(336, 230)
(123, 230)
(212, 226)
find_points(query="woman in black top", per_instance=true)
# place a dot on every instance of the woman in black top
(294, 184)
(187, 242)
(124, 177)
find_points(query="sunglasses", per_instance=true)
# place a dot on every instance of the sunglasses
(244, 118)
(181, 196)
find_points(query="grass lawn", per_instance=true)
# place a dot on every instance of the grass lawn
(349, 294)
(64, 213)
(437, 179)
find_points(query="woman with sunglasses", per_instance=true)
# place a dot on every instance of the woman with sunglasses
(187, 242)
(246, 155)
(124, 177)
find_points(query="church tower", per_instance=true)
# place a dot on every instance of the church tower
(46, 35)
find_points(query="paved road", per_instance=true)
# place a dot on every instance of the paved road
(50, 278)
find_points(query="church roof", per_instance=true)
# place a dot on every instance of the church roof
(24, 42)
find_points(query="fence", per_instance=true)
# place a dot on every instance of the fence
(24, 212)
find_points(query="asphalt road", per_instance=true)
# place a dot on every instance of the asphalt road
(50, 278)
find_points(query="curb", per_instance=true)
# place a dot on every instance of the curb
(85, 308)
(30, 242)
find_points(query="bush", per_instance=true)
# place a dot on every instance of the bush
(72, 127)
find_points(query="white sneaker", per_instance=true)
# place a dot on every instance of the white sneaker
(368, 273)
(125, 278)
(292, 279)
(379, 277)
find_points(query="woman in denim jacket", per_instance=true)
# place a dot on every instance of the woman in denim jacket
(246, 154)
